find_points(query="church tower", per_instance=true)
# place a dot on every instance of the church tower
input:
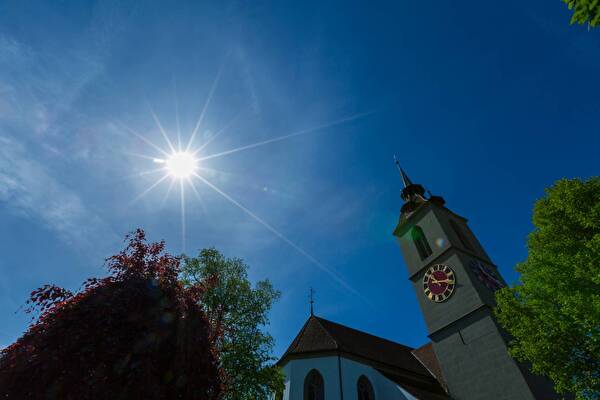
(454, 280)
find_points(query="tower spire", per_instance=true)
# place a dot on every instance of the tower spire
(405, 179)
(411, 192)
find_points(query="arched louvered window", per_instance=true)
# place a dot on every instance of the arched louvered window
(314, 389)
(365, 389)
(418, 237)
(461, 236)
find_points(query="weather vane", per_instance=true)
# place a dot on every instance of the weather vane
(311, 301)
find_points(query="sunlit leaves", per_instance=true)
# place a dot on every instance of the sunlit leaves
(238, 313)
(554, 315)
(584, 11)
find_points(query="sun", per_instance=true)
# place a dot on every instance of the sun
(186, 165)
(181, 165)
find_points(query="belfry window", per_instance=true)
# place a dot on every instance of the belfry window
(313, 386)
(418, 237)
(365, 389)
(461, 236)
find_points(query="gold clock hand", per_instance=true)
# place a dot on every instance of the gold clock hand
(448, 281)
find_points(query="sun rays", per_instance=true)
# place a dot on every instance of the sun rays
(182, 166)
(274, 231)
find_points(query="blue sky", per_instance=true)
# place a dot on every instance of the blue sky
(484, 105)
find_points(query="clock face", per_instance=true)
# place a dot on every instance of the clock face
(486, 275)
(439, 283)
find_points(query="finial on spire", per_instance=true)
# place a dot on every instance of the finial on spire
(311, 301)
(405, 179)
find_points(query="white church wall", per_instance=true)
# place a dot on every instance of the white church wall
(296, 371)
(384, 388)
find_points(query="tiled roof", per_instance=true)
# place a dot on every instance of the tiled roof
(420, 391)
(394, 360)
(313, 337)
(427, 356)
(321, 335)
(401, 364)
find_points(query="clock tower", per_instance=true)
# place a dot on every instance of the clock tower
(455, 279)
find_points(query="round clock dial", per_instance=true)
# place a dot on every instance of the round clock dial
(486, 275)
(439, 282)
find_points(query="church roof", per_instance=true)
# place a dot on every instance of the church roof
(321, 335)
(427, 357)
(395, 360)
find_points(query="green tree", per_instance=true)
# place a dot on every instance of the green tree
(237, 313)
(553, 314)
(584, 11)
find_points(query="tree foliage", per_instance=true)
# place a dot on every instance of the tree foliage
(554, 313)
(237, 313)
(584, 11)
(138, 333)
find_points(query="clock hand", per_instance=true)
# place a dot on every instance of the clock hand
(448, 281)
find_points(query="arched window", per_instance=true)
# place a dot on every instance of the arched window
(365, 389)
(418, 237)
(313, 386)
(461, 236)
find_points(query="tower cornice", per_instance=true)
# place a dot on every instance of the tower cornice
(443, 254)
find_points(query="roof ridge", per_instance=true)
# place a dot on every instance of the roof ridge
(425, 365)
(337, 344)
(298, 337)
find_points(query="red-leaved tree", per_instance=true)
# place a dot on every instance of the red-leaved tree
(136, 334)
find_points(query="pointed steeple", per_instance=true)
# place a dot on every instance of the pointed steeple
(405, 179)
(413, 194)
(411, 191)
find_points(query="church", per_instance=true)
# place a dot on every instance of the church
(466, 357)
